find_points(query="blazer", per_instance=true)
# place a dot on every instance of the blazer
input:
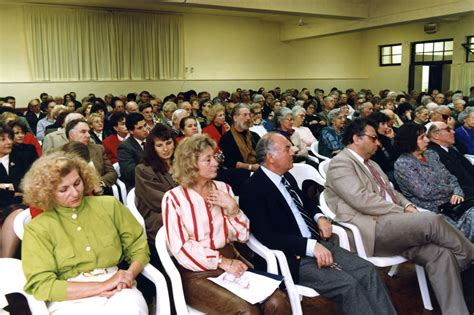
(129, 154)
(149, 190)
(111, 145)
(102, 164)
(21, 158)
(352, 193)
(457, 165)
(54, 140)
(271, 219)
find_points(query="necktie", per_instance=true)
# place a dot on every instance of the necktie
(143, 145)
(306, 216)
(384, 188)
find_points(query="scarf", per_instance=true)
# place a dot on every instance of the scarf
(245, 147)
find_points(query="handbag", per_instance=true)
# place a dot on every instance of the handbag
(454, 212)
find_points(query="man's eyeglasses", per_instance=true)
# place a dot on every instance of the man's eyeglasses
(374, 137)
(446, 117)
(448, 129)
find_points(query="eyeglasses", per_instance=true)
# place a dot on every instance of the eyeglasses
(257, 113)
(446, 117)
(374, 138)
(448, 129)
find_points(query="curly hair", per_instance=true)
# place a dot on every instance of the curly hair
(405, 140)
(214, 111)
(185, 168)
(46, 173)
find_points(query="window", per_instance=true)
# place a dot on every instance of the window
(469, 49)
(391, 55)
(437, 51)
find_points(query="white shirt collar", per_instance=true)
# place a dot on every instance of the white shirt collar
(121, 139)
(5, 161)
(356, 155)
(275, 178)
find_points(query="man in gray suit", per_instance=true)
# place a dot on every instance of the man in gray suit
(58, 138)
(360, 193)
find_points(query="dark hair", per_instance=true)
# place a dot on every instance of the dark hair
(72, 124)
(43, 94)
(133, 119)
(378, 118)
(18, 123)
(402, 108)
(182, 122)
(60, 119)
(115, 99)
(150, 158)
(9, 98)
(115, 118)
(356, 127)
(145, 93)
(406, 138)
(144, 106)
(5, 129)
(99, 107)
(78, 148)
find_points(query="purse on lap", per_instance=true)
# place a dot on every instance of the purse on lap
(454, 212)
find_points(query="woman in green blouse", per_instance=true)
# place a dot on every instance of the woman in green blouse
(71, 251)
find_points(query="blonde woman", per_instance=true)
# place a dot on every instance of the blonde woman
(70, 252)
(96, 125)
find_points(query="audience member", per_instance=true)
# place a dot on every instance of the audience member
(96, 125)
(305, 134)
(257, 120)
(153, 178)
(59, 113)
(78, 130)
(168, 110)
(328, 105)
(217, 124)
(444, 114)
(422, 115)
(119, 134)
(282, 218)
(188, 127)
(209, 253)
(330, 140)
(359, 192)
(238, 144)
(58, 138)
(442, 142)
(425, 181)
(465, 133)
(365, 109)
(313, 121)
(131, 107)
(83, 283)
(147, 111)
(130, 151)
(34, 114)
(45, 121)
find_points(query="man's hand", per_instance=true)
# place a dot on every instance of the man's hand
(324, 227)
(410, 209)
(323, 256)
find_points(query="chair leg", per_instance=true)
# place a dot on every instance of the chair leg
(425, 293)
(393, 271)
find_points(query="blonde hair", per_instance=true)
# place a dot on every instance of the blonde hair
(185, 168)
(92, 117)
(57, 110)
(8, 116)
(214, 110)
(46, 173)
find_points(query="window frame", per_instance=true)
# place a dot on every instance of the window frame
(381, 55)
(469, 54)
(432, 61)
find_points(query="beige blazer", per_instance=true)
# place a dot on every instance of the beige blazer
(352, 193)
(102, 164)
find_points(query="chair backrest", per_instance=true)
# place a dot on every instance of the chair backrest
(21, 219)
(470, 158)
(131, 205)
(117, 168)
(324, 207)
(13, 280)
(302, 172)
(172, 271)
(323, 168)
(315, 151)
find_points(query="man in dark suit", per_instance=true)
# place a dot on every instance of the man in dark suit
(282, 218)
(130, 151)
(34, 114)
(442, 142)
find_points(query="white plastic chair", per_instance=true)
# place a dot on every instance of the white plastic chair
(323, 168)
(150, 272)
(119, 189)
(470, 158)
(393, 261)
(132, 206)
(314, 149)
(302, 172)
(13, 281)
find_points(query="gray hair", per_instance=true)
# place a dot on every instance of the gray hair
(426, 99)
(465, 114)
(282, 113)
(71, 117)
(298, 110)
(457, 96)
(264, 145)
(237, 108)
(258, 97)
(440, 109)
(176, 113)
(333, 114)
(326, 99)
(431, 106)
(433, 127)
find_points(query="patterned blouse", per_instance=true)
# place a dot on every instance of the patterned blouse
(426, 184)
(195, 231)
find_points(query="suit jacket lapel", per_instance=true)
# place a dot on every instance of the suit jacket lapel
(362, 167)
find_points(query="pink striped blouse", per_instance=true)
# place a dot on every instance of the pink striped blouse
(194, 231)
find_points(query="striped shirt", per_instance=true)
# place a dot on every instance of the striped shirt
(195, 230)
